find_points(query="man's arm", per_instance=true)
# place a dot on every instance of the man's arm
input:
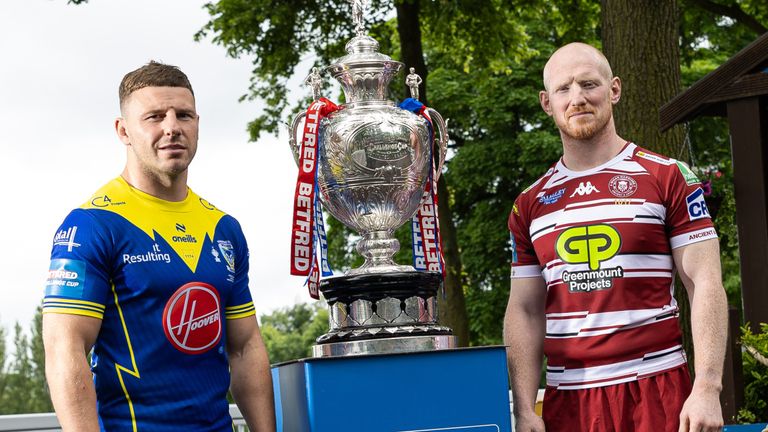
(699, 268)
(524, 328)
(67, 340)
(251, 379)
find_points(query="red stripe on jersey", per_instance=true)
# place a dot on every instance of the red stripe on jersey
(623, 345)
(626, 294)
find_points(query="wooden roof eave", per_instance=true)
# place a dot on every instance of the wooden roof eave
(722, 83)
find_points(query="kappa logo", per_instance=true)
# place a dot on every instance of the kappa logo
(584, 189)
(192, 318)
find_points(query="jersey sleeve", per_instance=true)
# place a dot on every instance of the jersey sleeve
(524, 261)
(688, 219)
(240, 303)
(78, 280)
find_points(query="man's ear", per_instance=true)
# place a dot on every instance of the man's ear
(615, 90)
(544, 101)
(121, 131)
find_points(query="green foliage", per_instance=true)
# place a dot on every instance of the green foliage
(22, 380)
(755, 409)
(289, 333)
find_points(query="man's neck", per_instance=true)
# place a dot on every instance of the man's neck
(582, 155)
(166, 188)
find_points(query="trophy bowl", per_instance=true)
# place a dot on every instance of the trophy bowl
(374, 160)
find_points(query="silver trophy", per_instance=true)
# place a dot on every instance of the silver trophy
(373, 164)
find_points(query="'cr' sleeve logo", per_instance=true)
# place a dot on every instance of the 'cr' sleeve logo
(590, 244)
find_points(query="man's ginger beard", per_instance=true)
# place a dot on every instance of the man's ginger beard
(583, 128)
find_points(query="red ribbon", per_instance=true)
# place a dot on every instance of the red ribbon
(430, 257)
(302, 235)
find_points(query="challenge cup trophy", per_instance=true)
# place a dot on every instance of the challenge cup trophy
(372, 161)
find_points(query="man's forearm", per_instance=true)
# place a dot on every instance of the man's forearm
(74, 398)
(252, 389)
(524, 337)
(709, 327)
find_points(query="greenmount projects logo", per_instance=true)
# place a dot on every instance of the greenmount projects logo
(591, 245)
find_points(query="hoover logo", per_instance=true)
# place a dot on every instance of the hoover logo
(192, 318)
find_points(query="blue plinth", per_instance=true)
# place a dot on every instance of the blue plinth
(449, 390)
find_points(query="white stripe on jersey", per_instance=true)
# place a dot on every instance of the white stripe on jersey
(658, 265)
(628, 167)
(525, 271)
(598, 211)
(651, 363)
(582, 324)
(692, 237)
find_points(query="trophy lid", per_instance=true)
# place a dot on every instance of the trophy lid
(364, 73)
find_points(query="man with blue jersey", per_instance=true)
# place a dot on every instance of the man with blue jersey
(152, 280)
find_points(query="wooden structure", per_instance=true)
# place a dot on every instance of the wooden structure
(738, 90)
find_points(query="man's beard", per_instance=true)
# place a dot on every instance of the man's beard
(584, 130)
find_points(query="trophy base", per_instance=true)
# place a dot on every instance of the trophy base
(389, 345)
(382, 313)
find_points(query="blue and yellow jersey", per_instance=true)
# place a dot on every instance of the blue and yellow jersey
(163, 277)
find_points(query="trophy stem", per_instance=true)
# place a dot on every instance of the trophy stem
(378, 248)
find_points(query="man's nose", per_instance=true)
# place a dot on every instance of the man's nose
(171, 126)
(577, 96)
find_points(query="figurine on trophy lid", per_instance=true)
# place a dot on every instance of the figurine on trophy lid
(370, 163)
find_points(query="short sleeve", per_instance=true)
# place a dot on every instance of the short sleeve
(240, 303)
(688, 220)
(78, 279)
(524, 261)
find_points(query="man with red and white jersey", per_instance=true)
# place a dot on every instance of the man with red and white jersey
(597, 242)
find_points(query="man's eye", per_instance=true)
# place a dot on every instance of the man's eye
(562, 89)
(154, 117)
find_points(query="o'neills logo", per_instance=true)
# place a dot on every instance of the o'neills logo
(184, 239)
(192, 318)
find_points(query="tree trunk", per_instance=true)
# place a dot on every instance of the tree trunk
(640, 40)
(452, 307)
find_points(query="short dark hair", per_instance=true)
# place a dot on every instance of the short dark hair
(153, 74)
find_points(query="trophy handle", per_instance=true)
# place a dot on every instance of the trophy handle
(292, 136)
(441, 136)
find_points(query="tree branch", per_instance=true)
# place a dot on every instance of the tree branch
(754, 353)
(733, 11)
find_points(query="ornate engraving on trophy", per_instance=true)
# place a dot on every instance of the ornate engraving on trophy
(374, 161)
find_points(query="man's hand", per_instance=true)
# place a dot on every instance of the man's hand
(529, 423)
(701, 412)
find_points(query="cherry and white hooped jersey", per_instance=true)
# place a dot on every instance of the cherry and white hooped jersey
(602, 239)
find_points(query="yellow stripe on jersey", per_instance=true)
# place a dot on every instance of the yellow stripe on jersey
(183, 225)
(73, 307)
(120, 368)
(240, 311)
